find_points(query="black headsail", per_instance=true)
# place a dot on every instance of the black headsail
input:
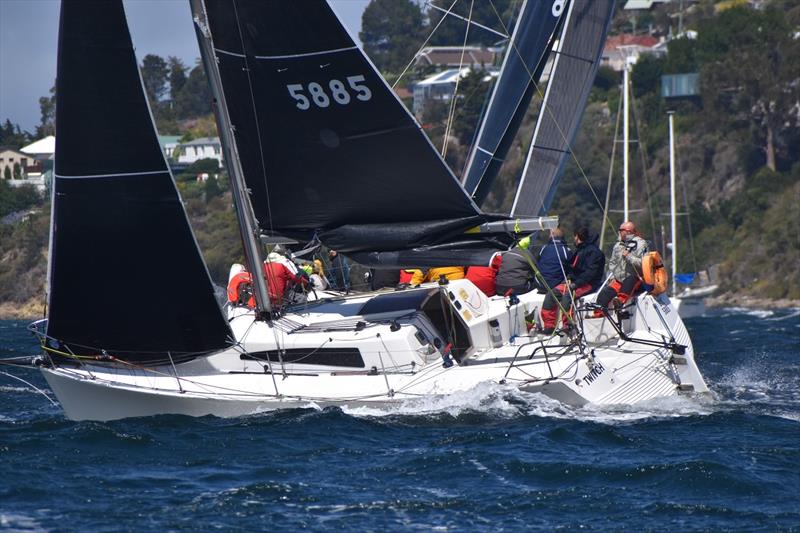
(325, 146)
(524, 62)
(575, 65)
(126, 275)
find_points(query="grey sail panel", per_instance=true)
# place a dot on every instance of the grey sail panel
(524, 62)
(322, 140)
(575, 66)
(126, 276)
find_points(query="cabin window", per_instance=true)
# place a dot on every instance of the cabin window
(342, 357)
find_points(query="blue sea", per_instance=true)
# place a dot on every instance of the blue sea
(487, 460)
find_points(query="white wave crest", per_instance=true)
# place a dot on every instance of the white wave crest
(509, 402)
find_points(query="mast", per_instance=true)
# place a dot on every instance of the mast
(248, 227)
(625, 136)
(672, 207)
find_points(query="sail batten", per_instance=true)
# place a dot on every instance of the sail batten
(126, 277)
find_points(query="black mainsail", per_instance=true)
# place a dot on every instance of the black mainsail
(574, 69)
(326, 147)
(126, 275)
(528, 50)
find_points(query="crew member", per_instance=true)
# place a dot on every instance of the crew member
(554, 258)
(625, 266)
(283, 277)
(516, 274)
(585, 276)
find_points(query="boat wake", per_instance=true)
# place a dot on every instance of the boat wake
(505, 402)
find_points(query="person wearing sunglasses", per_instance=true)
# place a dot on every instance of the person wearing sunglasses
(625, 267)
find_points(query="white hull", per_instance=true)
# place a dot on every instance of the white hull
(691, 302)
(388, 355)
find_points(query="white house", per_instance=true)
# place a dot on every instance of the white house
(202, 148)
(439, 87)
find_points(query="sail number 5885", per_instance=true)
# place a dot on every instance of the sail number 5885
(336, 91)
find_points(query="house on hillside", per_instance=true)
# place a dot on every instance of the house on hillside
(440, 87)
(13, 163)
(168, 144)
(43, 152)
(202, 148)
(628, 47)
(451, 56)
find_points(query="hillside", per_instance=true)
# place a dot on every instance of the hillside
(738, 145)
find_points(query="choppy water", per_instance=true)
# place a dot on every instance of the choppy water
(487, 460)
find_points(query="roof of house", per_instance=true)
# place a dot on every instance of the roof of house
(43, 146)
(452, 55)
(11, 149)
(446, 76)
(626, 39)
(168, 139)
(450, 75)
(202, 141)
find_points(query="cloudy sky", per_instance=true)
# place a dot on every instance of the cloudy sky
(29, 35)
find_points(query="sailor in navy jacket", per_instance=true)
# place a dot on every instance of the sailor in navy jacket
(554, 258)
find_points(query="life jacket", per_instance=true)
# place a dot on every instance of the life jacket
(483, 278)
(406, 275)
(450, 273)
(240, 290)
(653, 273)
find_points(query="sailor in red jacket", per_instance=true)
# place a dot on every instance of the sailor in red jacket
(282, 275)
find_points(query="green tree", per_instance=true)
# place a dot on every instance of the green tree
(194, 97)
(646, 75)
(177, 76)
(391, 32)
(11, 135)
(154, 76)
(752, 73)
(47, 108)
(497, 14)
(7, 173)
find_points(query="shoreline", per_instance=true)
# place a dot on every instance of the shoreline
(34, 308)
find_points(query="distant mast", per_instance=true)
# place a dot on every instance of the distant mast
(672, 203)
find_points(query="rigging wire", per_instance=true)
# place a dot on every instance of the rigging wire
(610, 173)
(552, 117)
(643, 155)
(454, 99)
(686, 207)
(419, 51)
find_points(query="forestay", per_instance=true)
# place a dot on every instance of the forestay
(126, 275)
(574, 69)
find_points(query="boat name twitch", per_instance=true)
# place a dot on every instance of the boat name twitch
(594, 373)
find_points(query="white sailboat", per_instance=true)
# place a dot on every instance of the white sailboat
(295, 98)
